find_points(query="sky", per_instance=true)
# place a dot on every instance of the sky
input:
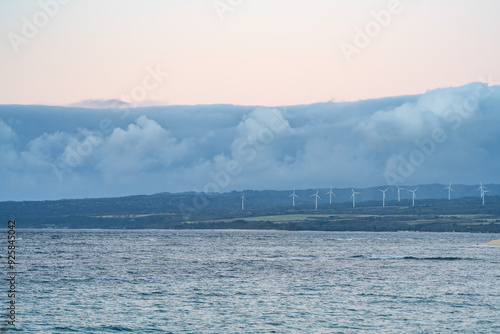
(258, 52)
(114, 98)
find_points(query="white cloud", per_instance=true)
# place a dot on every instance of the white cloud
(43, 150)
(6, 133)
(8, 156)
(144, 146)
(178, 148)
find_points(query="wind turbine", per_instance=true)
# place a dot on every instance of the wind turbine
(353, 196)
(293, 197)
(399, 193)
(383, 196)
(317, 196)
(413, 195)
(449, 191)
(483, 191)
(481, 187)
(330, 193)
(243, 200)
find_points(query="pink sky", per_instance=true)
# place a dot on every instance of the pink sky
(259, 52)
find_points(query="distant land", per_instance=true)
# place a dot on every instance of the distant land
(272, 210)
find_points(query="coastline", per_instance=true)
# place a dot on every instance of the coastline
(494, 243)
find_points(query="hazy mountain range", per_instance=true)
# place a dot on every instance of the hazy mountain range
(441, 136)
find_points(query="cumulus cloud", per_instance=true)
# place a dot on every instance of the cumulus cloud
(143, 147)
(441, 135)
(6, 133)
(40, 152)
(8, 155)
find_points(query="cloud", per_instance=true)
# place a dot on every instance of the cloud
(8, 155)
(115, 103)
(101, 103)
(43, 150)
(143, 147)
(6, 133)
(441, 135)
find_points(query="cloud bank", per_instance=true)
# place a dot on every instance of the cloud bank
(443, 135)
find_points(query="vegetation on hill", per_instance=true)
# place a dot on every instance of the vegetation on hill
(223, 211)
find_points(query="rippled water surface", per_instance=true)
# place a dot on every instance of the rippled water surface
(151, 281)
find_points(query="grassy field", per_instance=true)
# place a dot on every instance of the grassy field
(472, 218)
(157, 212)
(284, 218)
(375, 222)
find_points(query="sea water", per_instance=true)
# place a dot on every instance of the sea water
(226, 281)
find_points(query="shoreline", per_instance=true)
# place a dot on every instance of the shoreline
(494, 243)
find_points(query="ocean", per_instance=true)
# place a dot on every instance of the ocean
(232, 281)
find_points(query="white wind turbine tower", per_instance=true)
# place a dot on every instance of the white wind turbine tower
(353, 196)
(399, 193)
(330, 193)
(383, 196)
(293, 197)
(483, 191)
(449, 191)
(413, 195)
(243, 200)
(317, 196)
